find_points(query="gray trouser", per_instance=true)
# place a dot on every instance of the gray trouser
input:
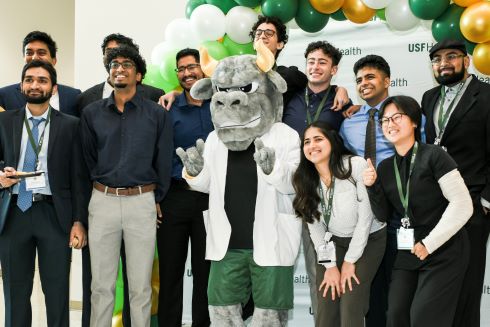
(112, 218)
(309, 252)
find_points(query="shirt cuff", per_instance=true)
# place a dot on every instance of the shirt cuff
(485, 203)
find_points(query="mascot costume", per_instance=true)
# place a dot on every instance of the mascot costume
(246, 166)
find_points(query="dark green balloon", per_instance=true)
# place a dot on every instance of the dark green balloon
(338, 15)
(249, 3)
(224, 5)
(446, 26)
(191, 5)
(428, 9)
(285, 10)
(308, 19)
(380, 13)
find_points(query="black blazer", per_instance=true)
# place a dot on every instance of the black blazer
(68, 176)
(95, 93)
(467, 135)
(11, 98)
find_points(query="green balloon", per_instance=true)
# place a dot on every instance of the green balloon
(154, 321)
(380, 13)
(236, 48)
(153, 77)
(308, 19)
(119, 298)
(249, 3)
(224, 5)
(428, 9)
(167, 70)
(446, 26)
(191, 5)
(216, 49)
(338, 15)
(285, 10)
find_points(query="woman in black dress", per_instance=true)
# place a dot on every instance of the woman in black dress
(421, 186)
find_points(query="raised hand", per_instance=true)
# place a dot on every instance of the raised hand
(369, 175)
(264, 157)
(192, 158)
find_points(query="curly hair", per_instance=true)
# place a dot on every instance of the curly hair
(281, 30)
(131, 53)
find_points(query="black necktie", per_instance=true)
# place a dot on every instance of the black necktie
(370, 145)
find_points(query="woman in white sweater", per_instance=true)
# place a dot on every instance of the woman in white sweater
(332, 199)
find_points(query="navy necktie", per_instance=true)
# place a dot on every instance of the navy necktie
(370, 144)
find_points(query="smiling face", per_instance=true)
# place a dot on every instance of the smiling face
(452, 66)
(397, 127)
(372, 85)
(319, 69)
(37, 86)
(188, 72)
(38, 50)
(316, 146)
(123, 73)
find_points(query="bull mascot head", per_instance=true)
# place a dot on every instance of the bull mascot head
(245, 93)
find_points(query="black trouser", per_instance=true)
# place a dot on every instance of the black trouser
(87, 293)
(427, 295)
(468, 310)
(25, 232)
(378, 300)
(182, 220)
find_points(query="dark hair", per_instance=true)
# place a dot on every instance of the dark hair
(327, 49)
(120, 39)
(129, 53)
(408, 106)
(373, 61)
(187, 52)
(43, 64)
(281, 30)
(42, 37)
(306, 179)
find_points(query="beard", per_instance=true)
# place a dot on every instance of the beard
(38, 99)
(451, 78)
(120, 85)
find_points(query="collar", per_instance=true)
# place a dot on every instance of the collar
(320, 94)
(365, 108)
(29, 114)
(132, 103)
(181, 101)
(454, 89)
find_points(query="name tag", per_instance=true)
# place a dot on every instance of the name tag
(404, 238)
(326, 252)
(36, 182)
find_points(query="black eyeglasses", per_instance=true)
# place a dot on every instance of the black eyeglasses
(268, 33)
(125, 65)
(396, 118)
(449, 58)
(190, 68)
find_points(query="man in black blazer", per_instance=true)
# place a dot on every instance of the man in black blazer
(104, 89)
(458, 119)
(46, 212)
(40, 46)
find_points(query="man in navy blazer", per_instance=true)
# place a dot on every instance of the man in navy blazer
(40, 46)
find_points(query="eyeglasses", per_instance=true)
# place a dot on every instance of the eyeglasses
(268, 33)
(396, 119)
(125, 65)
(190, 68)
(450, 57)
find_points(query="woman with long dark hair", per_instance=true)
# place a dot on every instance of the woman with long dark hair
(332, 199)
(421, 186)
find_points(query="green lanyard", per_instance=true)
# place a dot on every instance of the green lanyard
(327, 210)
(442, 121)
(319, 109)
(404, 197)
(37, 149)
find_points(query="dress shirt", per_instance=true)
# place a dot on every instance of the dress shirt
(107, 91)
(353, 132)
(43, 154)
(295, 111)
(54, 102)
(130, 148)
(190, 123)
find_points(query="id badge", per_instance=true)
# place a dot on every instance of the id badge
(36, 182)
(404, 238)
(326, 252)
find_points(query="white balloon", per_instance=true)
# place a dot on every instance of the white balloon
(208, 23)
(399, 16)
(377, 4)
(239, 22)
(179, 33)
(160, 51)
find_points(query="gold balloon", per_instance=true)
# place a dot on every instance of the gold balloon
(327, 6)
(357, 12)
(465, 3)
(475, 22)
(481, 58)
(117, 320)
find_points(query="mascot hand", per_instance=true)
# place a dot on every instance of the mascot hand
(264, 156)
(192, 158)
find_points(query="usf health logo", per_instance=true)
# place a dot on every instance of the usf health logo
(420, 46)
